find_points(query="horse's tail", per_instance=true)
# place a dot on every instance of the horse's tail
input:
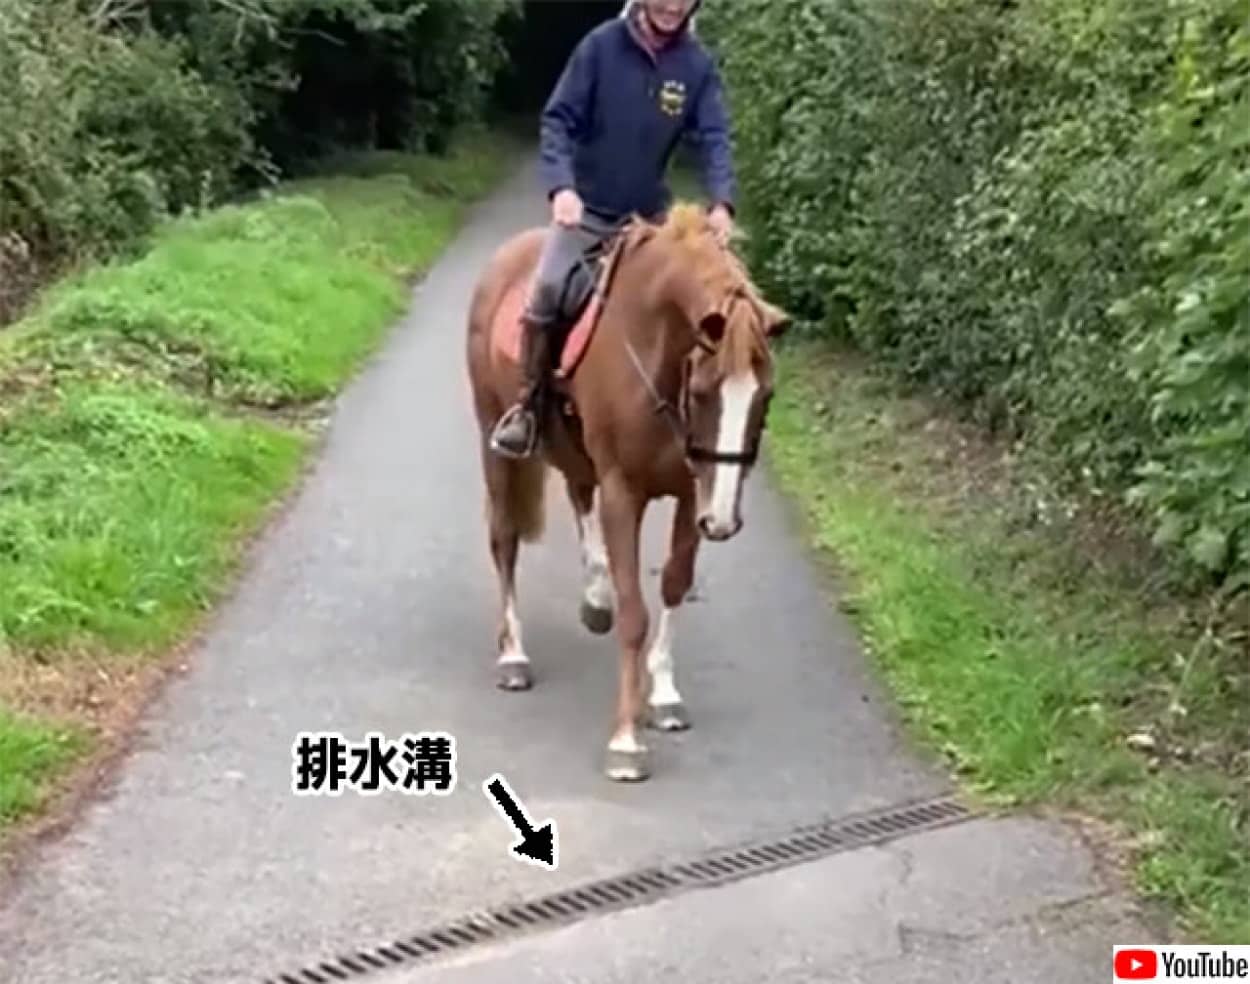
(526, 498)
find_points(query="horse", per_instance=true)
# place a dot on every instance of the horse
(661, 390)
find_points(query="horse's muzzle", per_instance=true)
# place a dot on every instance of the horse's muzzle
(719, 532)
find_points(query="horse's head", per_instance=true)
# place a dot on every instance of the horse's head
(729, 387)
(727, 369)
(716, 330)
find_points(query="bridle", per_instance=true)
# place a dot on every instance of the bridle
(678, 417)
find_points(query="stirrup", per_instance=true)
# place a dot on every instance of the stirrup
(512, 418)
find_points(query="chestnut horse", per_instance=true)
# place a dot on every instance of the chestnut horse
(664, 393)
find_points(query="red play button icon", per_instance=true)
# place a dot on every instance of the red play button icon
(1136, 965)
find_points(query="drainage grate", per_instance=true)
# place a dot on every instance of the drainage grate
(637, 888)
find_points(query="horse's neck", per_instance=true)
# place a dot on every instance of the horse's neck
(660, 340)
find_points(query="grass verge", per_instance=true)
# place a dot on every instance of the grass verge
(1021, 637)
(153, 411)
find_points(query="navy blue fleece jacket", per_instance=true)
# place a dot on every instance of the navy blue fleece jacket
(617, 114)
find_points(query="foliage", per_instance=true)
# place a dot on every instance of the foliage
(387, 74)
(1039, 210)
(1190, 324)
(120, 112)
(101, 134)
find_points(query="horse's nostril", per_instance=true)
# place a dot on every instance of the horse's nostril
(717, 532)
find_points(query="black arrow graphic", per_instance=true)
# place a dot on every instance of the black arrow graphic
(535, 846)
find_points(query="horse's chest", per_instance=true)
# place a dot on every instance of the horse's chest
(649, 456)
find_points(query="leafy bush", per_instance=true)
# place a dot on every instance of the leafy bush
(119, 112)
(1039, 210)
(327, 74)
(99, 133)
(1190, 324)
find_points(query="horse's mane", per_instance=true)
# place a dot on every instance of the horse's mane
(721, 273)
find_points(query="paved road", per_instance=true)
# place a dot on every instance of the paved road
(370, 607)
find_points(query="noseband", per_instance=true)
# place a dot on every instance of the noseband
(693, 451)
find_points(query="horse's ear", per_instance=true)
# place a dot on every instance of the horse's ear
(706, 321)
(776, 321)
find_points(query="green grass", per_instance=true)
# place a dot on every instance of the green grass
(30, 752)
(1015, 651)
(1023, 662)
(150, 413)
(122, 508)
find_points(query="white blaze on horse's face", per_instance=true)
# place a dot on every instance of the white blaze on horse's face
(719, 515)
(727, 393)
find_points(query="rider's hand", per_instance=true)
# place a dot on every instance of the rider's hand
(566, 207)
(722, 222)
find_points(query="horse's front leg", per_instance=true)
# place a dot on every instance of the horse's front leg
(667, 712)
(621, 513)
(596, 605)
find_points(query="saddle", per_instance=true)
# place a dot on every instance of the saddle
(585, 292)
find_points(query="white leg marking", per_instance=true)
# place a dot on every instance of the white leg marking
(512, 650)
(736, 395)
(598, 585)
(660, 662)
(626, 743)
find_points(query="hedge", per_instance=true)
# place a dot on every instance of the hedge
(117, 113)
(1039, 210)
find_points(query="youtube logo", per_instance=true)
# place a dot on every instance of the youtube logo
(1189, 963)
(1136, 965)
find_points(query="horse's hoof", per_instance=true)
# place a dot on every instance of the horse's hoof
(627, 766)
(668, 717)
(513, 676)
(596, 620)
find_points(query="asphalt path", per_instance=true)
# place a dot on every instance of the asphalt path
(371, 606)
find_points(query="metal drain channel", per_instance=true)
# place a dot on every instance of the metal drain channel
(637, 888)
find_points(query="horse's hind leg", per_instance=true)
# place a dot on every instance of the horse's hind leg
(666, 710)
(596, 606)
(514, 494)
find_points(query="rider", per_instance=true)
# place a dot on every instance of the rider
(631, 89)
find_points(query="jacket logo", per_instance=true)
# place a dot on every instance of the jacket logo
(673, 98)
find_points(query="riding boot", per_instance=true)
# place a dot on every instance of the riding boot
(516, 434)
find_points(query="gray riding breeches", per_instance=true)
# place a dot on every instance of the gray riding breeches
(564, 273)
